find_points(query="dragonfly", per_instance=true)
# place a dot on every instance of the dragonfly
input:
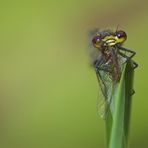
(110, 59)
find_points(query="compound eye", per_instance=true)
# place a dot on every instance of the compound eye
(96, 41)
(121, 34)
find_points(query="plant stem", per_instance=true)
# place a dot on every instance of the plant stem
(117, 122)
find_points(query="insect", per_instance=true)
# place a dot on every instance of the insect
(109, 63)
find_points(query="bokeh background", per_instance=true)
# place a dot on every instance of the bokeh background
(47, 89)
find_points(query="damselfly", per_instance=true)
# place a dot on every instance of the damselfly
(108, 63)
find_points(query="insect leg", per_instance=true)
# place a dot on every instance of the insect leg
(135, 65)
(100, 65)
(106, 69)
(127, 50)
(97, 62)
(133, 92)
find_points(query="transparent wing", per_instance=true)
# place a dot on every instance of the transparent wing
(105, 93)
(106, 88)
(102, 106)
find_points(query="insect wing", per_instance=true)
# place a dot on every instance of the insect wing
(105, 93)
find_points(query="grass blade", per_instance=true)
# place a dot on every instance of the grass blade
(117, 122)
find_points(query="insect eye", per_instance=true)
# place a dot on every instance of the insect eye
(96, 41)
(121, 34)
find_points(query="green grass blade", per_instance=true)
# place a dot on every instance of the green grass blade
(117, 122)
(108, 122)
(129, 77)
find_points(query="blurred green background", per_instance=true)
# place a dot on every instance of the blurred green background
(47, 89)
